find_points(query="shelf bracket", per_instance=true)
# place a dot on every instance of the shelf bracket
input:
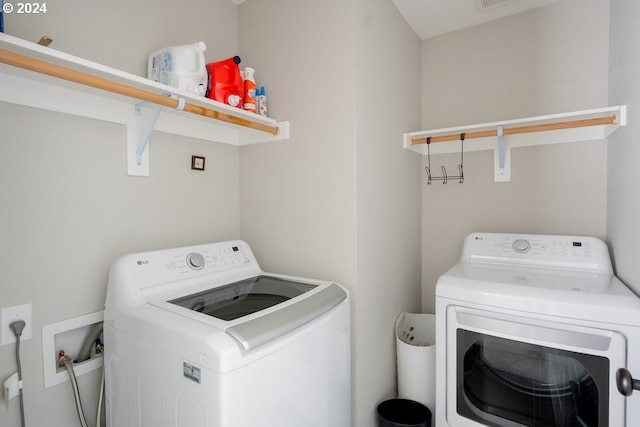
(144, 142)
(502, 158)
(138, 160)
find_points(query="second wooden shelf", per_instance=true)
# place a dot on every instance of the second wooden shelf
(585, 125)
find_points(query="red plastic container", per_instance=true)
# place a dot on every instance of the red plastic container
(225, 82)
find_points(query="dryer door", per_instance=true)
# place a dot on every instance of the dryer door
(515, 371)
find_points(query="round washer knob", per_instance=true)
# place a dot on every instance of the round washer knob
(195, 261)
(521, 246)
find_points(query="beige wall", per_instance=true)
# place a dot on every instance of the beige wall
(68, 207)
(121, 33)
(340, 200)
(388, 197)
(623, 210)
(549, 60)
(298, 196)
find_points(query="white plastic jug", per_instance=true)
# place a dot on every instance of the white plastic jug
(182, 67)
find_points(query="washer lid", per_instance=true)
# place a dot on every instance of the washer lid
(258, 331)
(242, 298)
(259, 309)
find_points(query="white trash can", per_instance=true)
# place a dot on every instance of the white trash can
(416, 358)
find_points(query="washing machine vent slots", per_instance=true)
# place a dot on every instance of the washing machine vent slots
(484, 5)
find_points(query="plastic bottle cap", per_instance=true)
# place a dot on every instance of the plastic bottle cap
(201, 45)
(234, 100)
(236, 59)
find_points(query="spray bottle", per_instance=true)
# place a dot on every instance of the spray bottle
(249, 100)
(262, 101)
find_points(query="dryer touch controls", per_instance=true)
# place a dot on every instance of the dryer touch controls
(195, 261)
(569, 252)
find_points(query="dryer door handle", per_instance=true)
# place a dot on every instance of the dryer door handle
(626, 383)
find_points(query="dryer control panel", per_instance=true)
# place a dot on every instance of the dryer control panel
(570, 252)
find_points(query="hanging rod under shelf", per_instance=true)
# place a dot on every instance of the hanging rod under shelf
(57, 71)
(608, 120)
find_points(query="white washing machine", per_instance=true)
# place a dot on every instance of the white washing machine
(535, 330)
(201, 337)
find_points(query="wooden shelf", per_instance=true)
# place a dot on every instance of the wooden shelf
(586, 125)
(37, 76)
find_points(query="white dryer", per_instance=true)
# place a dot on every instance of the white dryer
(535, 330)
(201, 337)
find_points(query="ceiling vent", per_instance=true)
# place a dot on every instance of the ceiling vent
(483, 5)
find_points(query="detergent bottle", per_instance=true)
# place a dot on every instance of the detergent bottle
(225, 82)
(249, 90)
(182, 67)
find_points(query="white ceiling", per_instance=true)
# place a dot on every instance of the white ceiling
(430, 18)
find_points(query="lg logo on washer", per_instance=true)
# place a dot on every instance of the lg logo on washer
(143, 262)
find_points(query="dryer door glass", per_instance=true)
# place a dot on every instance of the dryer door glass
(504, 382)
(243, 298)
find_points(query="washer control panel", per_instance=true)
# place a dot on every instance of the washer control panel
(211, 259)
(521, 246)
(195, 261)
(573, 252)
(139, 277)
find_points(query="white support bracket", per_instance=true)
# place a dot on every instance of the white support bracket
(144, 142)
(138, 155)
(501, 158)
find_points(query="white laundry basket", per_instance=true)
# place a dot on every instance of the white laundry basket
(416, 352)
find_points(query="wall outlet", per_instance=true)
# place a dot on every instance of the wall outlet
(8, 315)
